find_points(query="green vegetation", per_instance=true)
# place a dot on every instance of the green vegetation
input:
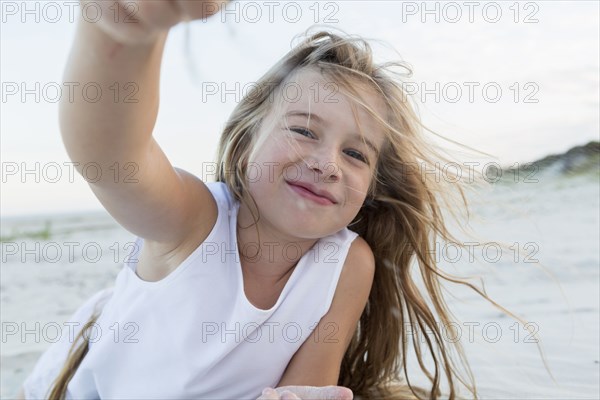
(47, 233)
(579, 161)
(44, 234)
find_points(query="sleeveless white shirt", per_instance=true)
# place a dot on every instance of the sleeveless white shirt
(194, 334)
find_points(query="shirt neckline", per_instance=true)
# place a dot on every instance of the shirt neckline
(238, 267)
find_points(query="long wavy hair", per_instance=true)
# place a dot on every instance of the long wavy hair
(403, 217)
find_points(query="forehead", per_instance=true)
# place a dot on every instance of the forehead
(309, 92)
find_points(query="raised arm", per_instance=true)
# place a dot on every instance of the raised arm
(110, 138)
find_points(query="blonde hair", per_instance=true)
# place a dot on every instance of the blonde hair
(77, 352)
(401, 219)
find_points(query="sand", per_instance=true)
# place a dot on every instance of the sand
(555, 222)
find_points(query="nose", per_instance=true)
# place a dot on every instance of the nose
(324, 164)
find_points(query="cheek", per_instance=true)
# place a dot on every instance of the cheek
(272, 151)
(359, 185)
(265, 171)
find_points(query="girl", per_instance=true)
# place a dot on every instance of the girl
(313, 223)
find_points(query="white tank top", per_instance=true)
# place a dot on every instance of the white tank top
(194, 334)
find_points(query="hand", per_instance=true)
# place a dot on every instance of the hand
(140, 21)
(307, 393)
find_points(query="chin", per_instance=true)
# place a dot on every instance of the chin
(300, 226)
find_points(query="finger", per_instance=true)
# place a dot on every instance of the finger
(342, 393)
(269, 394)
(287, 395)
(319, 392)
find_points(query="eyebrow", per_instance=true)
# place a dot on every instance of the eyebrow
(320, 120)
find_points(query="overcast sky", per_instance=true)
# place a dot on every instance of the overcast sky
(518, 80)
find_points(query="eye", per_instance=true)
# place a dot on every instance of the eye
(358, 156)
(301, 131)
(355, 154)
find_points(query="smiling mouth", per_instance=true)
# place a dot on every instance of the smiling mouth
(307, 194)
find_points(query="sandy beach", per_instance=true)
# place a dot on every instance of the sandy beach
(550, 278)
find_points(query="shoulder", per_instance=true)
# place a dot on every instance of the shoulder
(360, 251)
(359, 266)
(353, 288)
(356, 276)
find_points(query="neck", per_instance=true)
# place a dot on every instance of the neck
(265, 252)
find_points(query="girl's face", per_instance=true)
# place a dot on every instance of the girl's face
(324, 153)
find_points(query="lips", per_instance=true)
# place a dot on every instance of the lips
(311, 190)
